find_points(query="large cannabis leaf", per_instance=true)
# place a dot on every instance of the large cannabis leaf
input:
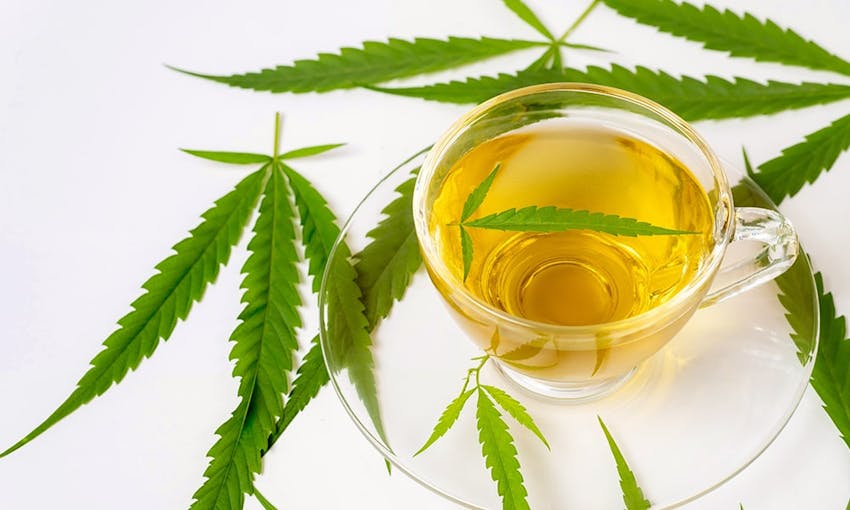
(169, 295)
(785, 175)
(831, 375)
(264, 345)
(376, 62)
(711, 97)
(741, 36)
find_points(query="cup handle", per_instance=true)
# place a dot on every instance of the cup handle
(779, 238)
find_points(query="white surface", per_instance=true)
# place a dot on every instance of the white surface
(93, 193)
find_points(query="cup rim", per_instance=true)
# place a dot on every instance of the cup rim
(722, 234)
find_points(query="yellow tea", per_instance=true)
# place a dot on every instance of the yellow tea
(575, 277)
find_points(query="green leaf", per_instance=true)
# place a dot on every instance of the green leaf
(376, 62)
(693, 99)
(500, 455)
(798, 298)
(831, 375)
(554, 219)
(632, 493)
(385, 266)
(234, 158)
(318, 224)
(740, 36)
(309, 151)
(447, 419)
(169, 295)
(466, 251)
(265, 503)
(264, 343)
(515, 409)
(347, 324)
(476, 198)
(526, 14)
(312, 375)
(786, 175)
(348, 330)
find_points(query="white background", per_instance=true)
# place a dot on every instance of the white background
(93, 193)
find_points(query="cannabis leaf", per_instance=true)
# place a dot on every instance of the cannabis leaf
(786, 174)
(447, 419)
(169, 295)
(264, 345)
(554, 219)
(632, 493)
(495, 438)
(500, 455)
(375, 62)
(711, 97)
(313, 150)
(232, 158)
(831, 377)
(526, 14)
(476, 198)
(265, 503)
(740, 36)
(516, 410)
(385, 266)
(465, 251)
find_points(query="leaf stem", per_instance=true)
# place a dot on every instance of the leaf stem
(579, 20)
(276, 152)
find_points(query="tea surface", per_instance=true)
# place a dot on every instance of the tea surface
(576, 277)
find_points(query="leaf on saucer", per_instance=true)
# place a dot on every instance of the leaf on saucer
(168, 296)
(447, 419)
(313, 150)
(632, 493)
(233, 158)
(500, 455)
(466, 251)
(525, 13)
(476, 198)
(710, 97)
(554, 219)
(375, 62)
(831, 375)
(516, 410)
(739, 35)
(785, 175)
(386, 265)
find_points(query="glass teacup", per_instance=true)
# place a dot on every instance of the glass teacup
(586, 361)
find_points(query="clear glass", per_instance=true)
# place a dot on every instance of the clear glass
(693, 416)
(566, 362)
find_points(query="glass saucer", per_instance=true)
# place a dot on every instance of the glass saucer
(689, 419)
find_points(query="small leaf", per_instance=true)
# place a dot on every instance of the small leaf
(804, 162)
(169, 295)
(447, 419)
(500, 455)
(693, 99)
(632, 493)
(740, 36)
(376, 62)
(265, 503)
(466, 251)
(385, 266)
(309, 151)
(312, 375)
(526, 14)
(476, 198)
(831, 375)
(553, 219)
(264, 344)
(542, 62)
(747, 165)
(234, 158)
(516, 409)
